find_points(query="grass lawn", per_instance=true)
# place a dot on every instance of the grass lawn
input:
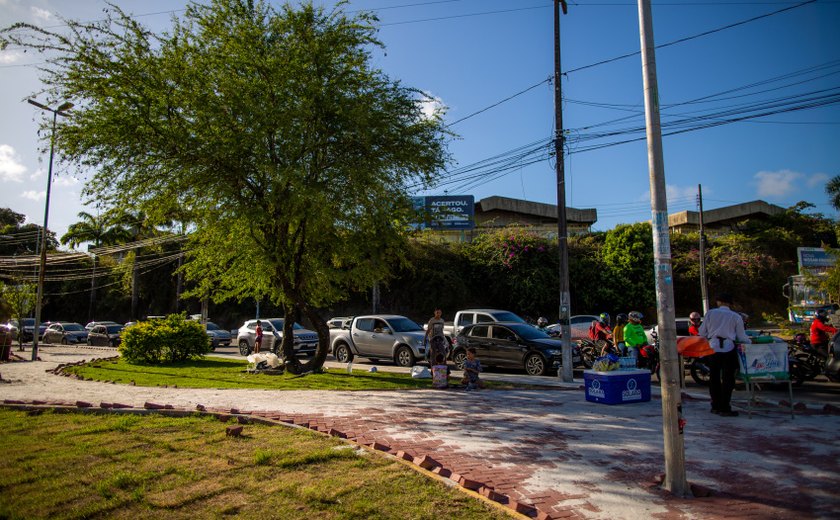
(71, 465)
(224, 373)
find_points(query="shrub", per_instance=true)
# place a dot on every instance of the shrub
(167, 340)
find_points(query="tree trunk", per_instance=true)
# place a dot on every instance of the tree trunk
(293, 365)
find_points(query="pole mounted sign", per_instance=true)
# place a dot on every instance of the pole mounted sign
(447, 211)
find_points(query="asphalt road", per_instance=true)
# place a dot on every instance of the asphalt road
(820, 390)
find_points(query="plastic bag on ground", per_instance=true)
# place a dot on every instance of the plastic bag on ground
(420, 373)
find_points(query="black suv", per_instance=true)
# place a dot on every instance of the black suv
(512, 345)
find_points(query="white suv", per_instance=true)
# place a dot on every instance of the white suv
(305, 341)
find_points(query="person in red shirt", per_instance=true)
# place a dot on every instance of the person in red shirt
(821, 332)
(694, 320)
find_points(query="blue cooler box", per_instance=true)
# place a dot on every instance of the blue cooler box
(617, 387)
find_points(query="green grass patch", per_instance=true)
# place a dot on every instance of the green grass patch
(230, 373)
(165, 467)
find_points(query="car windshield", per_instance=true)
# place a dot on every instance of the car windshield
(73, 327)
(404, 325)
(507, 316)
(212, 326)
(528, 332)
(113, 329)
(278, 325)
(29, 322)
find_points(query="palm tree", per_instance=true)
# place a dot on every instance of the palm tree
(833, 190)
(100, 230)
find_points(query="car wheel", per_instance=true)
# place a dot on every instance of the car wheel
(535, 365)
(63, 341)
(89, 343)
(342, 353)
(112, 344)
(458, 357)
(244, 348)
(404, 357)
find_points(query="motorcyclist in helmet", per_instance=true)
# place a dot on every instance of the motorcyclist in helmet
(542, 323)
(694, 320)
(600, 328)
(634, 335)
(821, 332)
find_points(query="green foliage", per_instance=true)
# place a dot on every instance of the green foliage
(515, 266)
(20, 298)
(628, 277)
(167, 340)
(271, 126)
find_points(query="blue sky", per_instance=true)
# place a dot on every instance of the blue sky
(470, 54)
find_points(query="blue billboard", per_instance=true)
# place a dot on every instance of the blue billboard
(447, 211)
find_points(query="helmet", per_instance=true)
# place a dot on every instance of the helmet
(745, 317)
(635, 316)
(695, 316)
(604, 318)
(620, 318)
(542, 322)
(822, 315)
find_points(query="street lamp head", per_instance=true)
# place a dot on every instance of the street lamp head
(39, 105)
(61, 108)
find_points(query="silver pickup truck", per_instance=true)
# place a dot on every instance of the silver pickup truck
(470, 316)
(379, 336)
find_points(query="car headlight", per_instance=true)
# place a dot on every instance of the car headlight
(553, 352)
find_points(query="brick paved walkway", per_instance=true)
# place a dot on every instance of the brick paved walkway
(548, 452)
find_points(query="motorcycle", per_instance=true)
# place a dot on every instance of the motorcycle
(590, 350)
(806, 362)
(649, 358)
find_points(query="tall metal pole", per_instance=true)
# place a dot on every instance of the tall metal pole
(675, 480)
(562, 232)
(43, 259)
(704, 291)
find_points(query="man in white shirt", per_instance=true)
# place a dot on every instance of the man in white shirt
(723, 327)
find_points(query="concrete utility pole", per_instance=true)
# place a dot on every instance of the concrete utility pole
(670, 368)
(562, 232)
(704, 291)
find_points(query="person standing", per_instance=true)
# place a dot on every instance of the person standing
(435, 337)
(618, 333)
(258, 338)
(723, 327)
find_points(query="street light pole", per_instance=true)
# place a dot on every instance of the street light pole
(43, 260)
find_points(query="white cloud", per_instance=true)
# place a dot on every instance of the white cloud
(777, 184)
(37, 175)
(817, 180)
(11, 169)
(432, 105)
(8, 57)
(34, 195)
(66, 181)
(41, 14)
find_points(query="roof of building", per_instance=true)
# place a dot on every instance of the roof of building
(725, 214)
(538, 209)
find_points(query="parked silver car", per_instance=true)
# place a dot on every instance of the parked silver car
(305, 340)
(65, 332)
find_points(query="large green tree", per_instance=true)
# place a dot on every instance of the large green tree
(271, 125)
